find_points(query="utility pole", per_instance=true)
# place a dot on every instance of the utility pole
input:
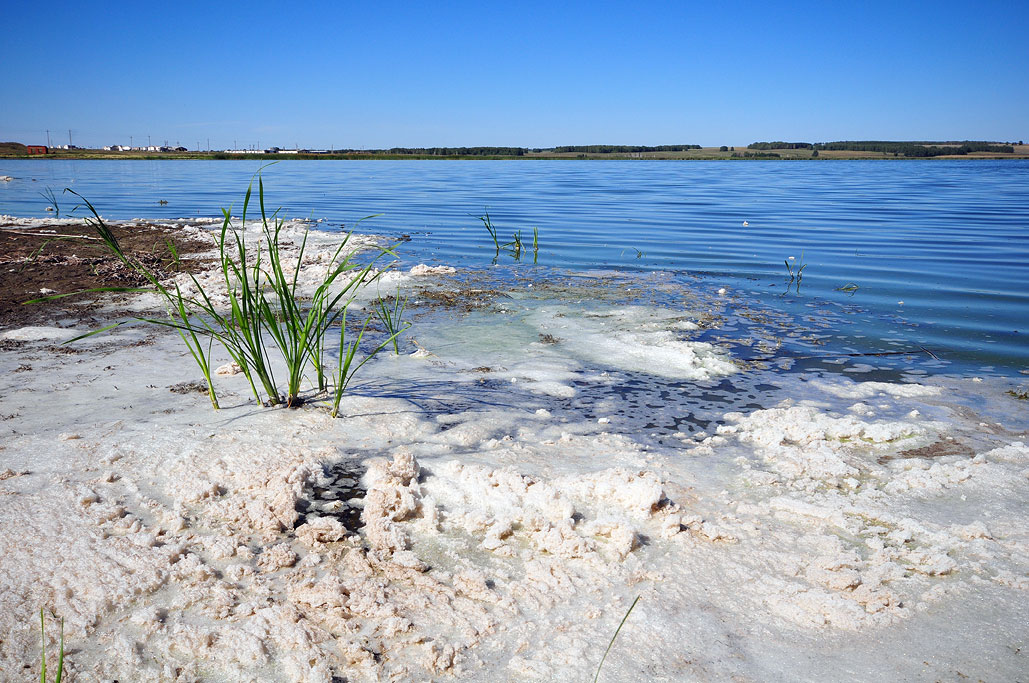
(208, 144)
(48, 138)
(148, 143)
(69, 137)
(130, 142)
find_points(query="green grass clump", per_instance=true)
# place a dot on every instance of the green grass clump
(515, 247)
(268, 318)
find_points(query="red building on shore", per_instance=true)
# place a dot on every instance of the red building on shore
(37, 149)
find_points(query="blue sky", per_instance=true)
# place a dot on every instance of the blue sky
(380, 74)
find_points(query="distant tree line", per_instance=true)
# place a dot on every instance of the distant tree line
(619, 149)
(780, 145)
(917, 149)
(455, 151)
(907, 149)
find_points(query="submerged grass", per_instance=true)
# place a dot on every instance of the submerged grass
(48, 194)
(795, 269)
(268, 318)
(515, 247)
(490, 229)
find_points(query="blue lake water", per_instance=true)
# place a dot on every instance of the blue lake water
(938, 250)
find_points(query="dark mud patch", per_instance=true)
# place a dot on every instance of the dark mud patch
(194, 387)
(464, 300)
(65, 259)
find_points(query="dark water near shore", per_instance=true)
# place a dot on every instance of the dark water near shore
(939, 250)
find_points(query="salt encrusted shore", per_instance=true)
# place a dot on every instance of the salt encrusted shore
(851, 531)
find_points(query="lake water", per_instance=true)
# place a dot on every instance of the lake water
(938, 250)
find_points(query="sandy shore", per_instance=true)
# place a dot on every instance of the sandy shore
(489, 507)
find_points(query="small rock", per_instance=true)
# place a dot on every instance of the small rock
(229, 369)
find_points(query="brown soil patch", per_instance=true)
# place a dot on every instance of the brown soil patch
(66, 259)
(933, 450)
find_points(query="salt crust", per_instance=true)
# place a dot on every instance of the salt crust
(842, 478)
(35, 333)
(223, 568)
(509, 511)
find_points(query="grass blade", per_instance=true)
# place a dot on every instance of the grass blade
(86, 291)
(60, 656)
(42, 631)
(102, 229)
(94, 332)
(597, 677)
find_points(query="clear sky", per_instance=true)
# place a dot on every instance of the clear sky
(382, 74)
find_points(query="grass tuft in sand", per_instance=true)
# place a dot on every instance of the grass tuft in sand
(268, 316)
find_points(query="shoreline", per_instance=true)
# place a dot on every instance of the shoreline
(704, 154)
(414, 157)
(495, 482)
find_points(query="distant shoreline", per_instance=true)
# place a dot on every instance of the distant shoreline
(592, 157)
(702, 154)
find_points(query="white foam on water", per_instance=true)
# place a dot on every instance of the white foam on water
(635, 338)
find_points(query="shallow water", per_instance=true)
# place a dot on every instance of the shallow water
(939, 250)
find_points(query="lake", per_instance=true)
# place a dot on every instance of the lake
(899, 254)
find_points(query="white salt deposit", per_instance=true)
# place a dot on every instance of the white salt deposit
(422, 269)
(36, 333)
(635, 338)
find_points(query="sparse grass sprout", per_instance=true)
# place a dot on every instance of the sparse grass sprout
(60, 655)
(617, 630)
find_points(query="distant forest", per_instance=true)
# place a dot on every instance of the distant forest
(451, 151)
(522, 151)
(618, 149)
(781, 145)
(907, 149)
